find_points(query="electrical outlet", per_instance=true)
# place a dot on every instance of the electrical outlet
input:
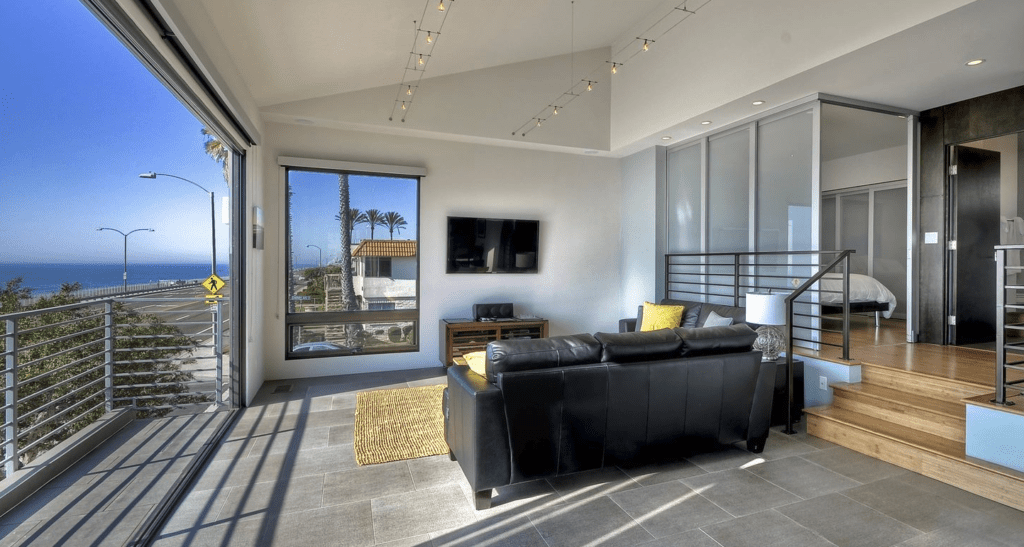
(822, 382)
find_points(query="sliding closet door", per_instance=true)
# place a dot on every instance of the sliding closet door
(854, 211)
(889, 252)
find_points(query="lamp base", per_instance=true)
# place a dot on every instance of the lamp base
(770, 342)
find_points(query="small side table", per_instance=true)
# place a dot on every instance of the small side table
(780, 399)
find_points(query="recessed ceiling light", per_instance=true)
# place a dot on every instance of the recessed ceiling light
(975, 62)
(706, 122)
(757, 103)
(666, 137)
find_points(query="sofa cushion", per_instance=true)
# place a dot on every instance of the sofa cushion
(739, 315)
(628, 347)
(715, 320)
(715, 340)
(660, 316)
(557, 351)
(477, 361)
(691, 312)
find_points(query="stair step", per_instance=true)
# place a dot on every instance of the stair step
(945, 407)
(945, 419)
(919, 439)
(932, 456)
(922, 384)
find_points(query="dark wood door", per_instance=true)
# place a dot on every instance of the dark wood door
(976, 195)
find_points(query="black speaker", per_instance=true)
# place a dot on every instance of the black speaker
(491, 312)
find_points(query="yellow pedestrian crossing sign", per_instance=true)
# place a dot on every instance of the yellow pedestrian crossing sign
(213, 284)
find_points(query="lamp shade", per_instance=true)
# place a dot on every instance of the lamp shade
(766, 309)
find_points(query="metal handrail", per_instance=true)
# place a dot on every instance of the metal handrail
(737, 268)
(1002, 384)
(95, 379)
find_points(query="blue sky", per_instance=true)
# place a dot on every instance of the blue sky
(80, 118)
(314, 204)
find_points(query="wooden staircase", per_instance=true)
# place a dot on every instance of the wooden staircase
(917, 422)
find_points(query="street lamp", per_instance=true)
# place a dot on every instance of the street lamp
(126, 248)
(320, 261)
(323, 280)
(213, 218)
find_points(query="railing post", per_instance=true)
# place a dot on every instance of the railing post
(846, 308)
(736, 280)
(789, 367)
(11, 455)
(1000, 326)
(108, 354)
(218, 333)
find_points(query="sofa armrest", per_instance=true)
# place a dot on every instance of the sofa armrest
(761, 409)
(627, 325)
(476, 430)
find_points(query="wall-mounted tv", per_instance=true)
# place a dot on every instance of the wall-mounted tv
(491, 245)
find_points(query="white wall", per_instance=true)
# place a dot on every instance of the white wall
(638, 273)
(576, 198)
(887, 165)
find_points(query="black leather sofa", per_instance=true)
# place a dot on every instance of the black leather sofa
(696, 313)
(565, 404)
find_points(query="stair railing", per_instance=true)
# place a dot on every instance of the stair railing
(727, 277)
(1008, 263)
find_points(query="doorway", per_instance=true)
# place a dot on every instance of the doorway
(986, 193)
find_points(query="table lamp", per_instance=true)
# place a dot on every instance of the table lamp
(767, 310)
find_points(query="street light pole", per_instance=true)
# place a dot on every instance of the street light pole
(323, 275)
(320, 261)
(213, 217)
(125, 275)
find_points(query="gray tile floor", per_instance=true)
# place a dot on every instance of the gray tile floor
(287, 476)
(104, 497)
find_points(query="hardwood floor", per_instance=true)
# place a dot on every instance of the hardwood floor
(887, 346)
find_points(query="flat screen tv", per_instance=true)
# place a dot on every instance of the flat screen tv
(491, 245)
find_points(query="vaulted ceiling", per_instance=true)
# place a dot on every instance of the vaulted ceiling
(497, 62)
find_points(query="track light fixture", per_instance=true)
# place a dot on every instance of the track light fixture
(668, 22)
(426, 34)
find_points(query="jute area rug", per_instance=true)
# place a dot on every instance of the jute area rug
(399, 424)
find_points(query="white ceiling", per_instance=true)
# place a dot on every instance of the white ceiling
(290, 53)
(301, 49)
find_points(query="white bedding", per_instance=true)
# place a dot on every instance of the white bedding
(863, 288)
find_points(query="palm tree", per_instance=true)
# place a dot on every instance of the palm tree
(357, 216)
(219, 152)
(394, 221)
(374, 218)
(348, 291)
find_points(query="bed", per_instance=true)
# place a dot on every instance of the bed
(867, 294)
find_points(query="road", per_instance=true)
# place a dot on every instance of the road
(193, 317)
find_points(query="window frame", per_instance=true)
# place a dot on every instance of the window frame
(356, 316)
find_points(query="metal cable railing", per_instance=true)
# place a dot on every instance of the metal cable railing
(1009, 321)
(65, 366)
(810, 279)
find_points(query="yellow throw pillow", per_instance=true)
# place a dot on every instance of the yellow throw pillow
(477, 362)
(658, 316)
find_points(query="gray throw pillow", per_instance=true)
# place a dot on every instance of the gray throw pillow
(715, 320)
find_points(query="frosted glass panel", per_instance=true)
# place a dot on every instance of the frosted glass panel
(729, 192)
(890, 243)
(784, 184)
(683, 208)
(854, 230)
(828, 224)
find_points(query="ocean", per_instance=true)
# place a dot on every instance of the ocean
(47, 278)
